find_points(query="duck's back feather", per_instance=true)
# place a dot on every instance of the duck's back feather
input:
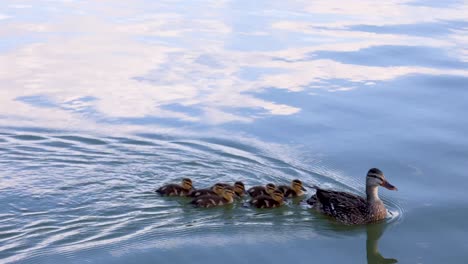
(264, 201)
(209, 201)
(344, 207)
(197, 193)
(257, 191)
(172, 190)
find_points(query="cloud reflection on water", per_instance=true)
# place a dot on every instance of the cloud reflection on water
(92, 63)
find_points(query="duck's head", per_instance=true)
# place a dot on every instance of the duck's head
(278, 196)
(270, 188)
(375, 178)
(218, 189)
(228, 193)
(239, 188)
(296, 185)
(187, 184)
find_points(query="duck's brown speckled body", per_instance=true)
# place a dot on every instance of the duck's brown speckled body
(352, 209)
(261, 190)
(276, 199)
(296, 189)
(207, 201)
(175, 189)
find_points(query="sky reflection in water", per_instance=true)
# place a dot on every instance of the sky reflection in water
(84, 64)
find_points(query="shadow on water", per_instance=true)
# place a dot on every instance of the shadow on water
(374, 233)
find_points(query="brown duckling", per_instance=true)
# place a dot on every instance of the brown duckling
(216, 189)
(176, 189)
(296, 189)
(261, 190)
(207, 201)
(275, 199)
(239, 188)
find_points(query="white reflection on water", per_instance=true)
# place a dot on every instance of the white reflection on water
(75, 64)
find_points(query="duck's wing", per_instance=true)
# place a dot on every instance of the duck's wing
(197, 193)
(256, 191)
(206, 201)
(346, 207)
(170, 190)
(263, 201)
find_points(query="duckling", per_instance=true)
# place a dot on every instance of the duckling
(215, 200)
(275, 199)
(261, 190)
(175, 189)
(216, 189)
(239, 188)
(296, 189)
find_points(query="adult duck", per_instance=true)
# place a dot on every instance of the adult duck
(352, 209)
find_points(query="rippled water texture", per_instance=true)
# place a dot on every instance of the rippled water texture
(103, 101)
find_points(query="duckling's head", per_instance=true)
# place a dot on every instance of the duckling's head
(218, 189)
(228, 193)
(375, 178)
(278, 196)
(187, 184)
(296, 185)
(239, 187)
(270, 188)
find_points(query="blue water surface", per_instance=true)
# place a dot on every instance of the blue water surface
(101, 103)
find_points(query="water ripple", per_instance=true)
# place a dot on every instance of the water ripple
(73, 193)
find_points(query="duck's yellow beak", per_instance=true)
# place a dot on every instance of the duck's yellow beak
(387, 185)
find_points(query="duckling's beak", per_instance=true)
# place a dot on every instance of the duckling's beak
(387, 185)
(304, 189)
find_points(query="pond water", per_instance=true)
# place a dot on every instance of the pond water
(103, 101)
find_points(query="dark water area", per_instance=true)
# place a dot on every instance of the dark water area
(101, 103)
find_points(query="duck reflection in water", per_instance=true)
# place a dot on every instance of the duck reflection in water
(374, 232)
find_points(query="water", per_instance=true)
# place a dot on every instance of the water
(100, 103)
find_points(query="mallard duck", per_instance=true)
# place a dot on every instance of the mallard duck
(261, 190)
(275, 199)
(215, 200)
(176, 189)
(239, 188)
(216, 189)
(296, 189)
(351, 209)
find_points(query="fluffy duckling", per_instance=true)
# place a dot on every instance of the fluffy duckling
(216, 189)
(296, 189)
(275, 199)
(261, 190)
(207, 201)
(176, 189)
(239, 188)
